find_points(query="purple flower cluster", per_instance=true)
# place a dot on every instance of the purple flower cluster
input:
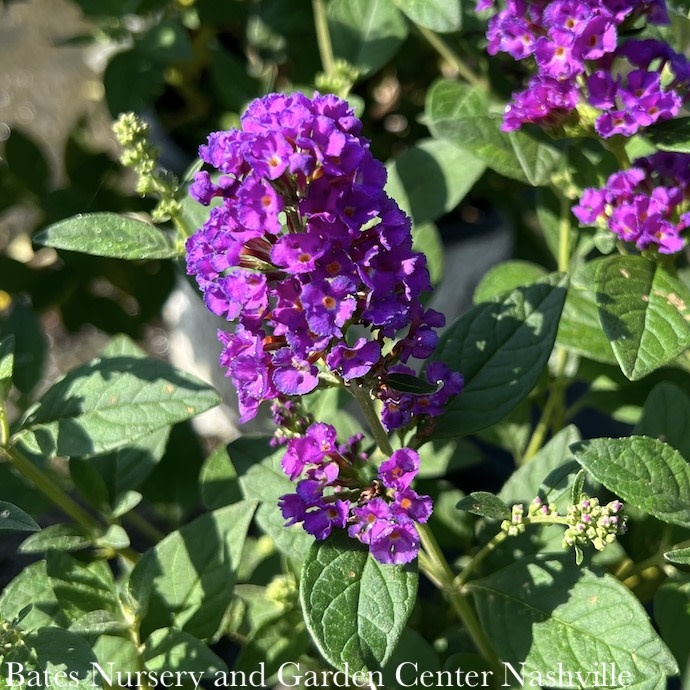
(305, 244)
(330, 494)
(575, 46)
(645, 204)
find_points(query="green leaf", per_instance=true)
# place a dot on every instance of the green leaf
(265, 481)
(645, 313)
(186, 580)
(485, 504)
(15, 519)
(501, 348)
(678, 556)
(665, 416)
(29, 345)
(643, 471)
(579, 329)
(291, 541)
(169, 649)
(218, 480)
(672, 615)
(505, 277)
(99, 622)
(671, 135)
(32, 589)
(355, 607)
(461, 114)
(438, 458)
(132, 81)
(401, 670)
(544, 612)
(57, 537)
(53, 654)
(366, 33)
(27, 162)
(112, 403)
(431, 178)
(82, 587)
(6, 366)
(407, 383)
(109, 234)
(552, 210)
(121, 470)
(426, 238)
(441, 16)
(165, 42)
(275, 642)
(547, 474)
(330, 404)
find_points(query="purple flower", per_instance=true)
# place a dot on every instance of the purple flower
(394, 542)
(400, 469)
(329, 304)
(311, 449)
(371, 513)
(320, 521)
(353, 362)
(410, 504)
(293, 375)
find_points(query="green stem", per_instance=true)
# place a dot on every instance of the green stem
(461, 580)
(4, 427)
(464, 576)
(564, 226)
(50, 488)
(552, 408)
(323, 36)
(458, 64)
(363, 397)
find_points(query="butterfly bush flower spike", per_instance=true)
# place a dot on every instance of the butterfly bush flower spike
(301, 245)
(304, 245)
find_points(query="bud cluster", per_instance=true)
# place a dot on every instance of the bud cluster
(591, 523)
(588, 522)
(132, 133)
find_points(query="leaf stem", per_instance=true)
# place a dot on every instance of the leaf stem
(449, 55)
(50, 488)
(323, 36)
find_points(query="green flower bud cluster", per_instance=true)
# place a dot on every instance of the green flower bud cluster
(132, 133)
(282, 590)
(591, 523)
(339, 80)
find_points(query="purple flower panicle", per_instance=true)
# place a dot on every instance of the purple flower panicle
(304, 244)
